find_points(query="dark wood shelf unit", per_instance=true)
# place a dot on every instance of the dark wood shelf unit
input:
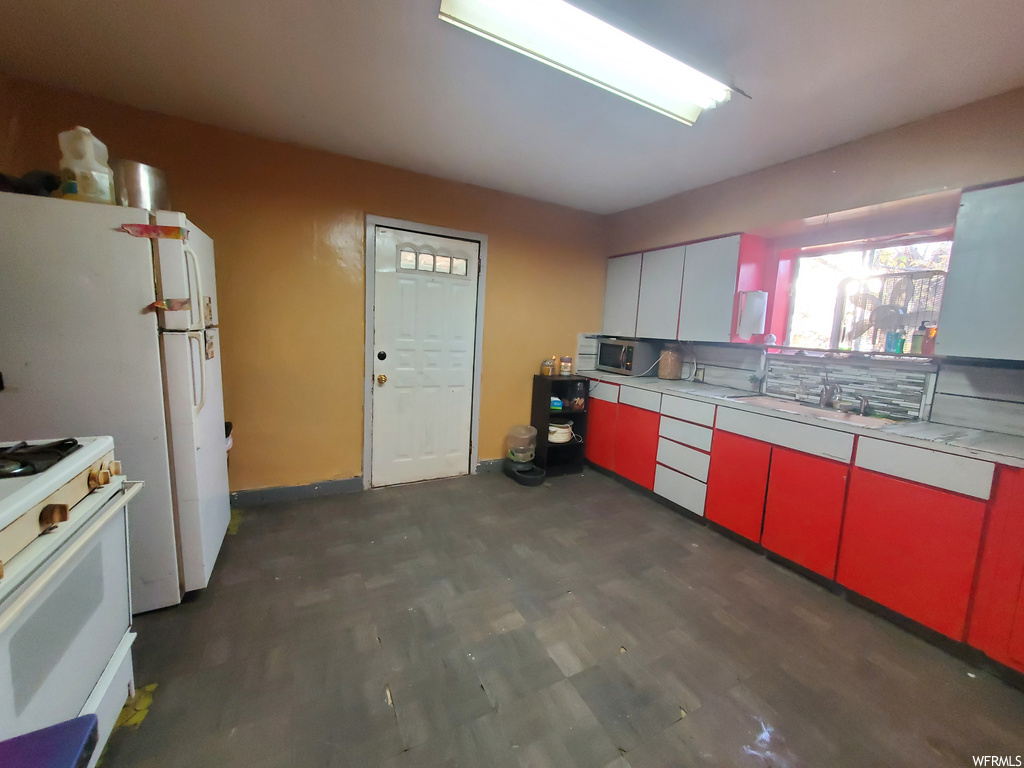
(559, 458)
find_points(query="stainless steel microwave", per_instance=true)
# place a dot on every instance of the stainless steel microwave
(627, 357)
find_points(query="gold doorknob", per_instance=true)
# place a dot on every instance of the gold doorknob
(381, 379)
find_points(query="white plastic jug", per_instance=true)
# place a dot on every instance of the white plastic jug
(84, 172)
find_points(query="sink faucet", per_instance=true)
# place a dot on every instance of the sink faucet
(830, 392)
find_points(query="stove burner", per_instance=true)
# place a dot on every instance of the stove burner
(10, 468)
(24, 459)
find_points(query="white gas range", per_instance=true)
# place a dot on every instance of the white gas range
(65, 601)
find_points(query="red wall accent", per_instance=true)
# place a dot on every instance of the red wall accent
(762, 269)
(752, 275)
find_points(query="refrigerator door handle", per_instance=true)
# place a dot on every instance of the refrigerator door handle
(198, 302)
(199, 336)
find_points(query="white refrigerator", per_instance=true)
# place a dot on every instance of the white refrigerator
(103, 332)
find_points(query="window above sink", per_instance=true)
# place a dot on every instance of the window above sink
(868, 299)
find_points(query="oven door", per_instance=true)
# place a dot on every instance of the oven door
(63, 624)
(611, 356)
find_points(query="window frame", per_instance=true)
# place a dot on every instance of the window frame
(867, 248)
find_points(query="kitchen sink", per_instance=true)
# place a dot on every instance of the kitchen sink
(803, 409)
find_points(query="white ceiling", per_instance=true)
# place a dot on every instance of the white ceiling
(385, 80)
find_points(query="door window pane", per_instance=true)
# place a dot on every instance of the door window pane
(459, 266)
(426, 262)
(443, 264)
(407, 259)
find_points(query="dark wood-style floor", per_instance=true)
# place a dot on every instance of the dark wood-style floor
(474, 622)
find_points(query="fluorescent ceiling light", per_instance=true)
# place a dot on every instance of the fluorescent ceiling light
(573, 41)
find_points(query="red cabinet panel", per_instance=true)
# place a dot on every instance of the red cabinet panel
(636, 444)
(1016, 648)
(911, 548)
(737, 481)
(602, 420)
(997, 617)
(804, 511)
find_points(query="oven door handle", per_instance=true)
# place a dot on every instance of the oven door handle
(60, 564)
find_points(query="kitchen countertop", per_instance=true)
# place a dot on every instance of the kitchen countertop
(962, 441)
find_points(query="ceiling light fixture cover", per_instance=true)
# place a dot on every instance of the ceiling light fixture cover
(564, 37)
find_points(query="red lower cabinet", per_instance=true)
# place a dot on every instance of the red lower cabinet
(636, 444)
(997, 618)
(737, 480)
(911, 548)
(803, 515)
(602, 420)
(1016, 648)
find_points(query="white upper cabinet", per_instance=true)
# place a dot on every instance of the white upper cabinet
(621, 295)
(982, 311)
(660, 285)
(709, 290)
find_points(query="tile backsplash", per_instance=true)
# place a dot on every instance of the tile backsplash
(897, 392)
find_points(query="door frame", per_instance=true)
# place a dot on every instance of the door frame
(370, 261)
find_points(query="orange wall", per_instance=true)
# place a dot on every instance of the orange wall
(976, 144)
(289, 230)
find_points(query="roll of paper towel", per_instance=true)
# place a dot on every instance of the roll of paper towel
(752, 314)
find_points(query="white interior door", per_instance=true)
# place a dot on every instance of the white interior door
(424, 332)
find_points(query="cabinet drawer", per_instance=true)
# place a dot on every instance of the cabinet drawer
(602, 390)
(688, 410)
(688, 434)
(684, 459)
(806, 438)
(680, 489)
(640, 398)
(970, 477)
